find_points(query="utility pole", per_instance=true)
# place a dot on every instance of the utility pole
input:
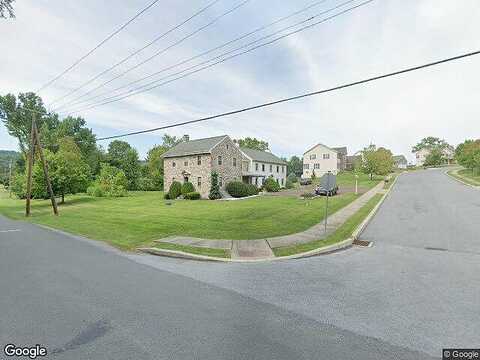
(35, 140)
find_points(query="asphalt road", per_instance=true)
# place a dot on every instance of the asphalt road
(83, 300)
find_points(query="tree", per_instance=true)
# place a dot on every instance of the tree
(111, 182)
(252, 143)
(6, 8)
(295, 166)
(170, 141)
(214, 187)
(121, 155)
(434, 158)
(467, 154)
(430, 143)
(377, 161)
(18, 119)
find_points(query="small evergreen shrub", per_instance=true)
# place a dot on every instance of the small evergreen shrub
(166, 196)
(214, 187)
(187, 187)
(175, 190)
(192, 195)
(239, 189)
(270, 185)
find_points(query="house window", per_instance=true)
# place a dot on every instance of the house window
(277, 181)
(199, 182)
(219, 160)
(220, 181)
(316, 166)
(234, 162)
(326, 156)
(313, 156)
(263, 167)
(282, 182)
(256, 181)
(227, 146)
(283, 169)
(174, 164)
(185, 163)
(270, 168)
(278, 168)
(306, 166)
(199, 160)
(256, 166)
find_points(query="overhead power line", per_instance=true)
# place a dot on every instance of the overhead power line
(77, 101)
(151, 86)
(162, 51)
(125, 59)
(319, 92)
(97, 46)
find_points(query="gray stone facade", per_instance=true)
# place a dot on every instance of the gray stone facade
(198, 168)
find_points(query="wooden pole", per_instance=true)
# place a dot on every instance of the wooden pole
(45, 169)
(30, 166)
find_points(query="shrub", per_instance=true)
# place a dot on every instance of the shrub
(111, 182)
(192, 195)
(289, 184)
(146, 184)
(239, 189)
(214, 187)
(292, 178)
(187, 187)
(166, 196)
(175, 190)
(271, 185)
(95, 191)
(19, 185)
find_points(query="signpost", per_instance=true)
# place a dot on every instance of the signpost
(326, 203)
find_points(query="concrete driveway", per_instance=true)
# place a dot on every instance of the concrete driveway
(396, 300)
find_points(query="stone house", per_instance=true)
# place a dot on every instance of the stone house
(195, 160)
(318, 160)
(259, 165)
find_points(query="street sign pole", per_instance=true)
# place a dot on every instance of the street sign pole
(326, 203)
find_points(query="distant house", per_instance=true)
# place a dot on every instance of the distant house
(422, 154)
(259, 165)
(400, 161)
(341, 157)
(318, 160)
(353, 161)
(195, 160)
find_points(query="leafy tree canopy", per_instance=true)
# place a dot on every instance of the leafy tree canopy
(6, 9)
(377, 161)
(121, 155)
(430, 142)
(295, 166)
(252, 143)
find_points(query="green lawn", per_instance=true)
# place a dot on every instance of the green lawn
(142, 217)
(347, 178)
(467, 176)
(342, 233)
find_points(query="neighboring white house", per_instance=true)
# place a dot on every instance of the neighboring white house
(400, 161)
(259, 165)
(319, 160)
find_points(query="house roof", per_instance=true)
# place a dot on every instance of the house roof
(262, 156)
(194, 147)
(320, 144)
(400, 159)
(341, 150)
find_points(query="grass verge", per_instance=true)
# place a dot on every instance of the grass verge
(221, 253)
(342, 233)
(466, 176)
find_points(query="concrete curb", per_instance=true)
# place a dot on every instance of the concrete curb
(319, 251)
(461, 181)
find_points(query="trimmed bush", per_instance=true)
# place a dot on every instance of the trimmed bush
(175, 190)
(239, 189)
(187, 187)
(192, 195)
(166, 196)
(214, 188)
(270, 185)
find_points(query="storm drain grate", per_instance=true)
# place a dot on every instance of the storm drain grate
(362, 243)
(435, 248)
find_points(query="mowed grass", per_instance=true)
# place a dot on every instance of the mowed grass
(347, 178)
(467, 176)
(142, 217)
(342, 233)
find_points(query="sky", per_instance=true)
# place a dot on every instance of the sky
(46, 37)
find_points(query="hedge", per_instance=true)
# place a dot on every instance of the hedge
(239, 189)
(271, 185)
(192, 195)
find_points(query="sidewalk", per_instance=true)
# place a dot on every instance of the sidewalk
(262, 248)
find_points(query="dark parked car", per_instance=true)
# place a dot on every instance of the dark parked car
(305, 181)
(328, 185)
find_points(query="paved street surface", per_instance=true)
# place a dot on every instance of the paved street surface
(396, 300)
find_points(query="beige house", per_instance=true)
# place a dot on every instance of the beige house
(422, 154)
(318, 160)
(195, 160)
(259, 165)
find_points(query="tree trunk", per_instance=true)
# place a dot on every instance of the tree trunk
(63, 198)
